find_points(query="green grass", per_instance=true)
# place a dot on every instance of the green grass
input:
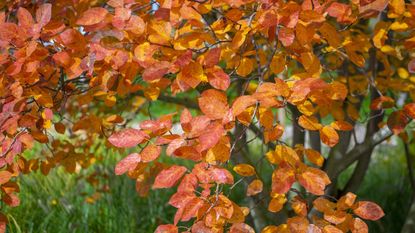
(57, 203)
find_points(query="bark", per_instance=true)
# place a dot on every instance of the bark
(298, 132)
(375, 118)
(358, 174)
(339, 163)
(315, 143)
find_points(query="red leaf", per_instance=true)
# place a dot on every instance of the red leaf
(188, 184)
(357, 225)
(191, 208)
(211, 136)
(156, 71)
(185, 119)
(180, 199)
(368, 210)
(92, 16)
(218, 78)
(128, 163)
(282, 180)
(25, 18)
(212, 57)
(286, 36)
(127, 138)
(169, 177)
(222, 176)
(44, 14)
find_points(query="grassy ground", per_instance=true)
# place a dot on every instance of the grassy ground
(58, 202)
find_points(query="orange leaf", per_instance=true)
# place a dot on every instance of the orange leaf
(341, 125)
(277, 203)
(314, 180)
(244, 170)
(358, 226)
(245, 67)
(241, 228)
(346, 201)
(169, 177)
(5, 177)
(150, 153)
(323, 205)
(213, 104)
(329, 136)
(254, 187)
(409, 110)
(298, 224)
(314, 156)
(368, 210)
(299, 206)
(242, 103)
(335, 217)
(397, 122)
(92, 16)
(331, 229)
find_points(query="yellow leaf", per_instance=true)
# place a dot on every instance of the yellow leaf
(403, 73)
(245, 67)
(309, 123)
(244, 169)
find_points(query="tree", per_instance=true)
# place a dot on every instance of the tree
(75, 74)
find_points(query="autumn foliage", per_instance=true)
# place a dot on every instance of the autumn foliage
(299, 77)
